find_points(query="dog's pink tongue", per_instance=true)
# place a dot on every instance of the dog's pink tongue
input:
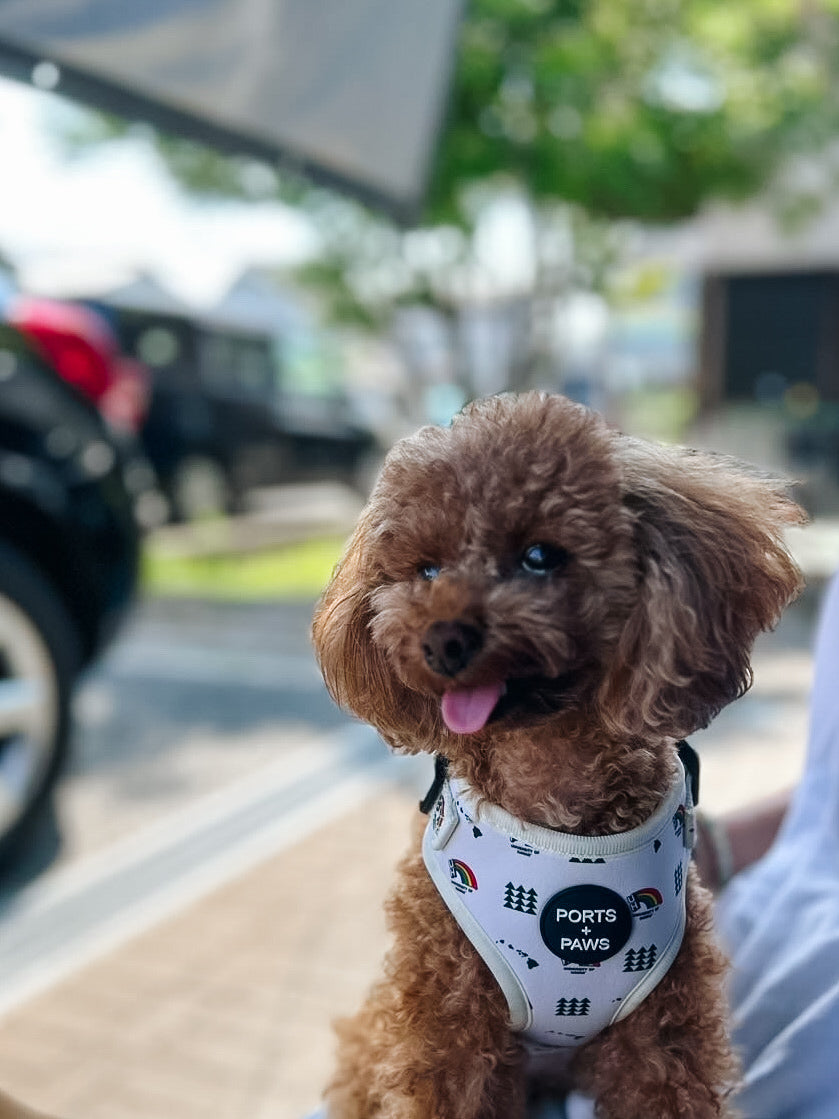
(465, 711)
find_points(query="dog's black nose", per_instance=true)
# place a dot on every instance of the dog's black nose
(450, 646)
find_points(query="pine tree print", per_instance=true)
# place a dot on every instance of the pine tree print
(577, 1007)
(520, 899)
(641, 959)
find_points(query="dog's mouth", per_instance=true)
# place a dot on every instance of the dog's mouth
(468, 710)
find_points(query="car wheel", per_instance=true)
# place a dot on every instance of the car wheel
(39, 657)
(199, 489)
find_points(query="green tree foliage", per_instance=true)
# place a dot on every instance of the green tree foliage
(588, 111)
(637, 108)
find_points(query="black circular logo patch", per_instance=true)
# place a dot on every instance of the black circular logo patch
(585, 924)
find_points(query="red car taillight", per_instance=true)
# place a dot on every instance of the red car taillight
(76, 360)
(81, 347)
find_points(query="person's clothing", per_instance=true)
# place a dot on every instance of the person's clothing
(576, 929)
(780, 920)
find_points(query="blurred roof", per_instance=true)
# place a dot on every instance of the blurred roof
(256, 302)
(748, 238)
(351, 94)
(751, 239)
(142, 293)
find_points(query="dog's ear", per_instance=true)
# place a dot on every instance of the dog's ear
(353, 666)
(714, 572)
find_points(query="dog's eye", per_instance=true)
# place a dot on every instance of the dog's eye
(542, 559)
(428, 571)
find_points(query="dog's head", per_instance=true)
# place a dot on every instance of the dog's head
(529, 563)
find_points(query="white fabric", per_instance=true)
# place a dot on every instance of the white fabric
(576, 929)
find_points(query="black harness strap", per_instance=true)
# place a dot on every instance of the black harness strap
(690, 760)
(441, 768)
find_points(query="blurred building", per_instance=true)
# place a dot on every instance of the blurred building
(767, 347)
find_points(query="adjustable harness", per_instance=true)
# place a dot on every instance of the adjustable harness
(577, 930)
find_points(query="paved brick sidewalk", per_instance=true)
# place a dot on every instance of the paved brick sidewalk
(224, 1011)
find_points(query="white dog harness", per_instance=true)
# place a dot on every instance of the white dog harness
(576, 929)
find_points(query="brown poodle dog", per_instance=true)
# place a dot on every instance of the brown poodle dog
(550, 606)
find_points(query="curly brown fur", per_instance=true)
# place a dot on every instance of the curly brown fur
(408, 1054)
(664, 565)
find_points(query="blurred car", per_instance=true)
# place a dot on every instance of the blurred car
(81, 346)
(69, 552)
(219, 423)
